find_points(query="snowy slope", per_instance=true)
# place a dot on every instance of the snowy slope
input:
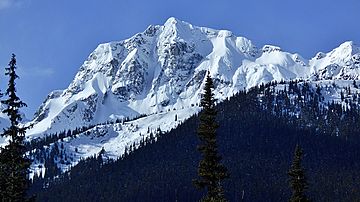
(160, 73)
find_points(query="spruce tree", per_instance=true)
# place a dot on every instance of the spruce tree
(297, 180)
(14, 165)
(211, 172)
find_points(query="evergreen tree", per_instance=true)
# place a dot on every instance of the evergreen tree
(298, 181)
(354, 84)
(14, 164)
(211, 172)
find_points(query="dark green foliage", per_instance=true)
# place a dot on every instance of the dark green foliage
(211, 172)
(298, 180)
(14, 164)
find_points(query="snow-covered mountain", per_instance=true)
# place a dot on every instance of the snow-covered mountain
(159, 74)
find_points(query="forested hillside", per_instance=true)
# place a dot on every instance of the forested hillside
(257, 136)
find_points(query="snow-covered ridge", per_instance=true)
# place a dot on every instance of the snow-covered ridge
(341, 63)
(160, 73)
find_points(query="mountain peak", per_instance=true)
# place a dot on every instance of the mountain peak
(174, 22)
(348, 44)
(171, 20)
(345, 50)
(175, 28)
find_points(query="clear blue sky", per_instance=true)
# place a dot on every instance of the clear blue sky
(52, 38)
